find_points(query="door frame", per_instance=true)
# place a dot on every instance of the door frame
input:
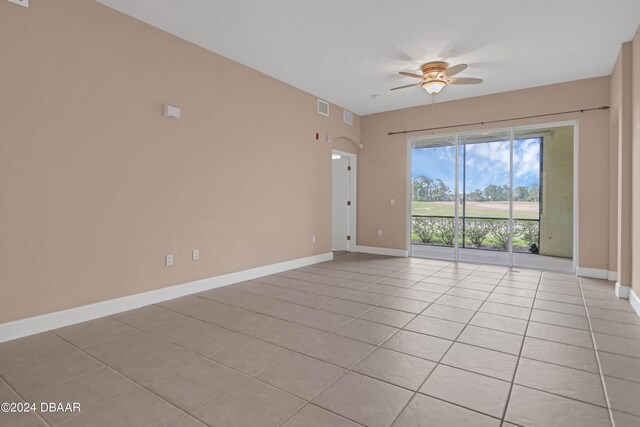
(353, 176)
(576, 178)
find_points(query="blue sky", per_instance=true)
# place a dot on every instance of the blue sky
(487, 163)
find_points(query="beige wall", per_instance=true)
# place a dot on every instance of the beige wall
(556, 220)
(613, 171)
(345, 144)
(635, 132)
(96, 186)
(620, 123)
(382, 163)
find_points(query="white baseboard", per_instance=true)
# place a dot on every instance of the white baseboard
(381, 251)
(623, 291)
(635, 301)
(33, 325)
(596, 273)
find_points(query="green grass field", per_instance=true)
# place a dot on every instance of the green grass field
(521, 210)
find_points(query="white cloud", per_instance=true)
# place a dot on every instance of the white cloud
(494, 152)
(486, 163)
(526, 158)
(446, 153)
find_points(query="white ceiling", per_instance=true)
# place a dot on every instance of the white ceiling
(345, 51)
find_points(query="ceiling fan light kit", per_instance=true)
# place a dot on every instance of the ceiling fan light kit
(434, 86)
(437, 75)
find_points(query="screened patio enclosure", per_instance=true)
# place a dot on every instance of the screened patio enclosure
(502, 197)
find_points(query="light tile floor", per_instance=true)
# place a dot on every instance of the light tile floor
(361, 340)
(488, 256)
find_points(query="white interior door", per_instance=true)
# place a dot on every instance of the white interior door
(341, 202)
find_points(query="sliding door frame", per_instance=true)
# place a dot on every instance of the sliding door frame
(512, 131)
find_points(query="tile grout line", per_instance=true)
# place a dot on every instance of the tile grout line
(130, 380)
(310, 402)
(187, 413)
(494, 287)
(595, 350)
(515, 370)
(39, 360)
(421, 312)
(167, 342)
(254, 377)
(379, 346)
(358, 317)
(116, 319)
(23, 399)
(75, 348)
(559, 395)
(430, 373)
(344, 298)
(348, 370)
(368, 376)
(401, 289)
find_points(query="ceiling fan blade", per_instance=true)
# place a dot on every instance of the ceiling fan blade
(464, 81)
(417, 76)
(402, 87)
(452, 71)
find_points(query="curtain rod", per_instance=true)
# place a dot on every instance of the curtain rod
(604, 108)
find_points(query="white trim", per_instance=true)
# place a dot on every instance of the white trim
(510, 224)
(612, 276)
(622, 291)
(381, 251)
(576, 194)
(353, 190)
(33, 325)
(634, 300)
(595, 273)
(456, 206)
(409, 207)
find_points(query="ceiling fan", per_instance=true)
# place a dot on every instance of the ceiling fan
(437, 75)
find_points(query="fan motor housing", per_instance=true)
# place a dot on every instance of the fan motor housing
(433, 68)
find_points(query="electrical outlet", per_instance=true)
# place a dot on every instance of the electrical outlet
(313, 238)
(168, 260)
(195, 255)
(380, 232)
(392, 202)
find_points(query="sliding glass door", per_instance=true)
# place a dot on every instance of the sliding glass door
(433, 197)
(485, 186)
(479, 197)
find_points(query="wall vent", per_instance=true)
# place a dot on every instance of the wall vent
(24, 3)
(323, 107)
(347, 117)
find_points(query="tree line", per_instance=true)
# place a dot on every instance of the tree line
(425, 189)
